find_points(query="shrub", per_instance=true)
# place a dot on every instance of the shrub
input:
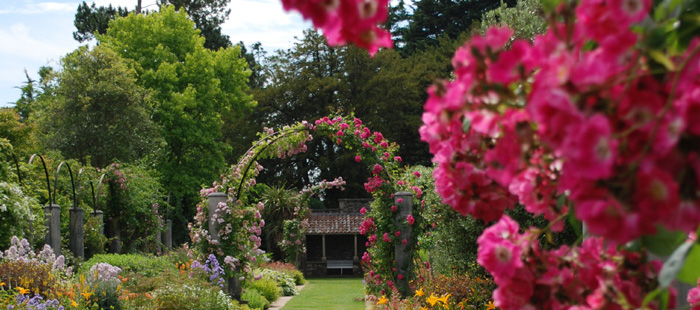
(267, 287)
(192, 297)
(284, 280)
(255, 299)
(106, 295)
(145, 265)
(35, 277)
(286, 268)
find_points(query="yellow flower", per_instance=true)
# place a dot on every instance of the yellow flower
(432, 300)
(419, 293)
(382, 300)
(86, 294)
(490, 306)
(444, 298)
(73, 303)
(22, 290)
(2, 284)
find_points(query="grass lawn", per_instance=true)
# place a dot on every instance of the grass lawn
(331, 294)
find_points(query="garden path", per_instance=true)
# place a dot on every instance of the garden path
(280, 302)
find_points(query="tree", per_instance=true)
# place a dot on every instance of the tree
(91, 20)
(208, 15)
(99, 114)
(435, 18)
(193, 90)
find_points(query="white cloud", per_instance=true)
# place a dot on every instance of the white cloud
(18, 42)
(263, 21)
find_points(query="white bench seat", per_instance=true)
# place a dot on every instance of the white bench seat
(339, 264)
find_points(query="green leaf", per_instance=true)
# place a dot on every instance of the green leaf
(673, 265)
(466, 124)
(651, 296)
(691, 269)
(661, 58)
(664, 241)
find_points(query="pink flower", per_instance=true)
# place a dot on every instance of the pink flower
(417, 174)
(397, 233)
(340, 133)
(386, 237)
(410, 219)
(358, 158)
(590, 151)
(397, 158)
(363, 210)
(394, 208)
(400, 277)
(378, 137)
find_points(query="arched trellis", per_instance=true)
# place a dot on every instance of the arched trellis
(228, 239)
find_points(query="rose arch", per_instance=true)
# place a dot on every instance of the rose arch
(235, 238)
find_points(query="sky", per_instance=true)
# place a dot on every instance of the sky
(35, 33)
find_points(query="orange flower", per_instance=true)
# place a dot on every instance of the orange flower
(382, 300)
(490, 306)
(419, 293)
(22, 290)
(432, 300)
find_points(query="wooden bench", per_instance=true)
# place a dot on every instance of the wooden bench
(339, 264)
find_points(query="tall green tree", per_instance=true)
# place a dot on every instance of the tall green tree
(91, 20)
(208, 15)
(193, 89)
(100, 113)
(432, 19)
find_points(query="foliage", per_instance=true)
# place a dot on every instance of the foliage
(132, 263)
(18, 211)
(284, 280)
(20, 134)
(100, 114)
(92, 20)
(255, 299)
(432, 19)
(286, 268)
(267, 287)
(191, 297)
(33, 276)
(279, 208)
(525, 18)
(192, 88)
(132, 206)
(208, 15)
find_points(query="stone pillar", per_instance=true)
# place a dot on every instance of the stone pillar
(323, 248)
(115, 246)
(159, 238)
(234, 287)
(168, 235)
(213, 200)
(77, 236)
(355, 257)
(53, 225)
(402, 253)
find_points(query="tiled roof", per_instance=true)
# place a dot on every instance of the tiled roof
(324, 223)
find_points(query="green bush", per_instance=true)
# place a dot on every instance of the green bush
(192, 297)
(255, 299)
(298, 277)
(284, 280)
(106, 296)
(145, 265)
(267, 287)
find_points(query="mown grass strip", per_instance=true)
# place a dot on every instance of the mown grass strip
(330, 294)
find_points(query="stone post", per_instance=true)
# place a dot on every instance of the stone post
(402, 253)
(53, 225)
(213, 200)
(234, 286)
(115, 246)
(168, 235)
(77, 235)
(159, 238)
